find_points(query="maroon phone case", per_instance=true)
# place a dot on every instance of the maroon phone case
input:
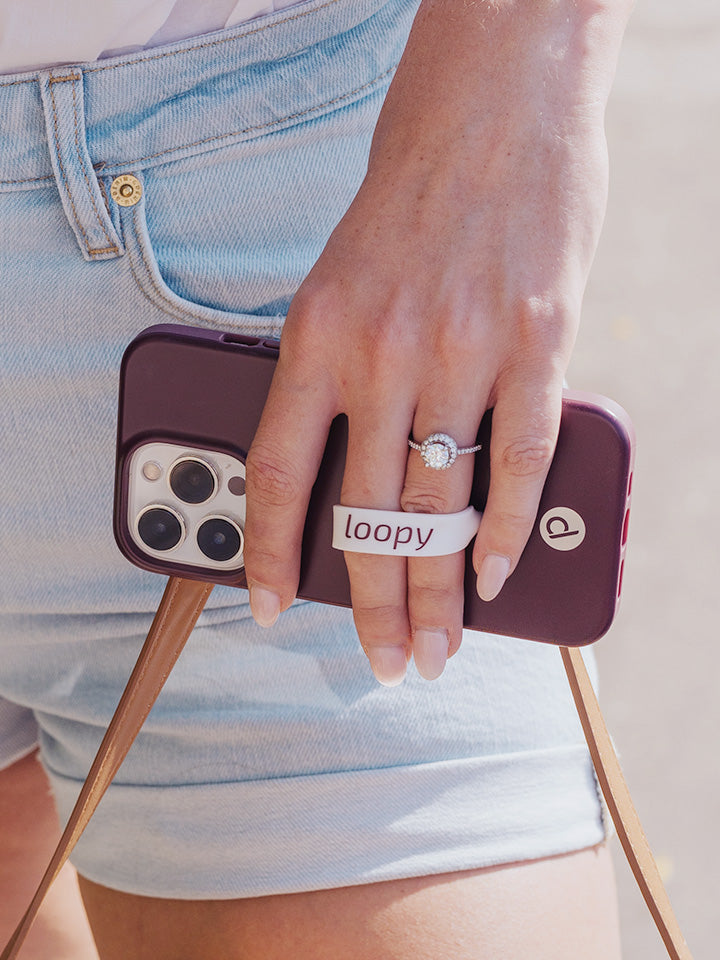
(207, 389)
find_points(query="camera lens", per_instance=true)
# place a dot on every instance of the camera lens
(219, 539)
(192, 481)
(160, 528)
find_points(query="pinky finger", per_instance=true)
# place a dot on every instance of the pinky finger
(524, 434)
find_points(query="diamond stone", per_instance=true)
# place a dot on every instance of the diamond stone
(439, 451)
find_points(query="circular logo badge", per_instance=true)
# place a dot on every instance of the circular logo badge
(562, 528)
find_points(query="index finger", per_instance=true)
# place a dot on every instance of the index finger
(281, 468)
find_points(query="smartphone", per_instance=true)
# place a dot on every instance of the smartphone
(190, 402)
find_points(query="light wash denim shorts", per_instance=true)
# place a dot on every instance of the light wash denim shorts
(273, 761)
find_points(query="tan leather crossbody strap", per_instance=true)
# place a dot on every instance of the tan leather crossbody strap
(181, 605)
(177, 614)
(620, 805)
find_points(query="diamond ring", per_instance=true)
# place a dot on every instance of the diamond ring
(440, 451)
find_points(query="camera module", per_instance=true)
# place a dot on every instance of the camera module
(219, 538)
(192, 480)
(160, 528)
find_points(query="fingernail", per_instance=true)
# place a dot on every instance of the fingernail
(492, 575)
(430, 648)
(265, 606)
(389, 664)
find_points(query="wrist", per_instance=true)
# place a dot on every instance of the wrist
(466, 65)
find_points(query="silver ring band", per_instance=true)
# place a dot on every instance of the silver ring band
(440, 451)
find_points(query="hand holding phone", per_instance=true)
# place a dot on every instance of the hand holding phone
(190, 403)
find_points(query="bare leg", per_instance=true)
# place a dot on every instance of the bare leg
(29, 831)
(560, 908)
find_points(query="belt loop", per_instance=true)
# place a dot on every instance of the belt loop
(62, 97)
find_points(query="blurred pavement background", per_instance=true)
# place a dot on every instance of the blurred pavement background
(650, 339)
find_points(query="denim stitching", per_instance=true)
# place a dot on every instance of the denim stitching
(62, 167)
(69, 76)
(237, 133)
(191, 49)
(103, 191)
(87, 179)
(214, 43)
(48, 176)
(93, 252)
(272, 123)
(16, 83)
(176, 310)
(176, 314)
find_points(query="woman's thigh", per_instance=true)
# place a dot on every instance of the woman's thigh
(558, 908)
(28, 833)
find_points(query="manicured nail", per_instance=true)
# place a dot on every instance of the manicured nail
(265, 606)
(389, 664)
(430, 648)
(492, 575)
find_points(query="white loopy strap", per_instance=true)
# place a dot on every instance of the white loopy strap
(394, 533)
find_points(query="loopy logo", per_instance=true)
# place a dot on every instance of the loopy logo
(562, 528)
(398, 534)
(394, 534)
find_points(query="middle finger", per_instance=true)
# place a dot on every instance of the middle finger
(374, 472)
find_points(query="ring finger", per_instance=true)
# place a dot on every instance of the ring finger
(436, 584)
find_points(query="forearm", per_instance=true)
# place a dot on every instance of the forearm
(468, 65)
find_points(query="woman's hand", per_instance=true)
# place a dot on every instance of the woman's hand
(453, 284)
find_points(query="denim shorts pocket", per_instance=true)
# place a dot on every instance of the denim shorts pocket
(190, 288)
(226, 237)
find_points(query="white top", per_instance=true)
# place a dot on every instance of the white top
(41, 33)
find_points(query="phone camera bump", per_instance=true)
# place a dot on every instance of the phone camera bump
(160, 528)
(192, 480)
(219, 539)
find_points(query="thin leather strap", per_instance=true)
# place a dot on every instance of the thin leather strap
(620, 805)
(181, 605)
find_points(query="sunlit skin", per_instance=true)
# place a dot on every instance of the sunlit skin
(453, 283)
(29, 830)
(562, 907)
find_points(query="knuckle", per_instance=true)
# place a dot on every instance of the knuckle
(509, 527)
(311, 314)
(378, 613)
(543, 325)
(259, 558)
(269, 481)
(527, 456)
(380, 624)
(439, 600)
(307, 308)
(424, 501)
(540, 312)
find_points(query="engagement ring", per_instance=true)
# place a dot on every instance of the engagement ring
(440, 451)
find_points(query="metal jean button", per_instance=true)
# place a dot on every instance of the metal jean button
(126, 190)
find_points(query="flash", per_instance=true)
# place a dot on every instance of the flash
(152, 470)
(236, 486)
